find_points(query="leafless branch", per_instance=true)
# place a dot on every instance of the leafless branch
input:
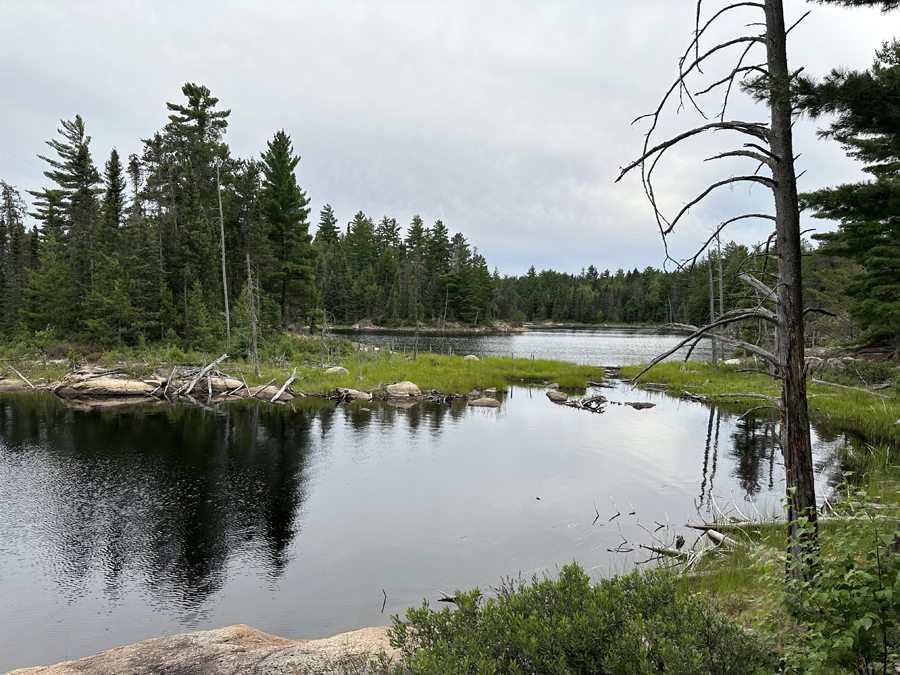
(728, 181)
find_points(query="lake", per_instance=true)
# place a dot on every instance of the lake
(124, 525)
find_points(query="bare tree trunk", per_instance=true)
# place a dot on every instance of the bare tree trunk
(253, 353)
(795, 435)
(224, 279)
(721, 287)
(712, 313)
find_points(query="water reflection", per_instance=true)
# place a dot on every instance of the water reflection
(754, 444)
(119, 526)
(168, 494)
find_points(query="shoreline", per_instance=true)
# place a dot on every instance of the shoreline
(238, 648)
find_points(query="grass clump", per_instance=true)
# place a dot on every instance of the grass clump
(447, 374)
(631, 624)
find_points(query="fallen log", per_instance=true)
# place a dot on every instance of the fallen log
(666, 550)
(281, 391)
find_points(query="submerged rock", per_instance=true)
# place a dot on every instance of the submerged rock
(557, 396)
(640, 405)
(485, 402)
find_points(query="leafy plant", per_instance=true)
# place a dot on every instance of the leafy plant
(631, 624)
(847, 615)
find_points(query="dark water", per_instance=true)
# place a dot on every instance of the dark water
(118, 527)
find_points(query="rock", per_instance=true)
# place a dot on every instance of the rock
(106, 387)
(471, 357)
(732, 362)
(351, 394)
(402, 389)
(485, 402)
(640, 405)
(13, 385)
(553, 385)
(338, 369)
(557, 396)
(222, 384)
(232, 650)
(490, 390)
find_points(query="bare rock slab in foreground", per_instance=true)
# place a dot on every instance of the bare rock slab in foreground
(225, 651)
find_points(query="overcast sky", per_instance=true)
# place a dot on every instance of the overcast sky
(508, 120)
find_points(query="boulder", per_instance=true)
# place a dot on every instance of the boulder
(338, 369)
(485, 402)
(236, 649)
(107, 387)
(557, 396)
(350, 394)
(471, 357)
(403, 389)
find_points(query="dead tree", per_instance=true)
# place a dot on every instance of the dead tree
(769, 145)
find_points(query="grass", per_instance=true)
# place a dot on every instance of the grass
(447, 374)
(871, 416)
(282, 355)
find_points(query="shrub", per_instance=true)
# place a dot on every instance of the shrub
(846, 616)
(632, 624)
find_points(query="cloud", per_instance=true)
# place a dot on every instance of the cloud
(508, 120)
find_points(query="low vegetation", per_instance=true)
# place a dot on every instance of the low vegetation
(368, 368)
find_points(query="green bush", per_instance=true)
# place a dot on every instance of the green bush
(846, 616)
(632, 624)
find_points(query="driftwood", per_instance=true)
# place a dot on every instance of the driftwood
(447, 597)
(22, 377)
(261, 389)
(724, 539)
(666, 550)
(593, 403)
(190, 387)
(286, 384)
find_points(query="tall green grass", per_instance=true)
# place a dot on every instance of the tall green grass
(871, 416)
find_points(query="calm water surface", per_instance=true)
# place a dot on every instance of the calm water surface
(596, 347)
(121, 526)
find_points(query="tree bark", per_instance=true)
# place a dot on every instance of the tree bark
(224, 279)
(795, 435)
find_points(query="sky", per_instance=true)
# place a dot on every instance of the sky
(508, 120)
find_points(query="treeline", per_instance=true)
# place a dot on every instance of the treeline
(186, 244)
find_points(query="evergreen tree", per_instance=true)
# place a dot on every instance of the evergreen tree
(113, 208)
(286, 210)
(867, 124)
(327, 232)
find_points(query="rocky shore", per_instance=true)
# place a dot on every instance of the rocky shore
(228, 651)
(93, 386)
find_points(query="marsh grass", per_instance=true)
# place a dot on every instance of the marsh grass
(871, 416)
(446, 374)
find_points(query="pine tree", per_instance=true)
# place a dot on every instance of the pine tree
(286, 209)
(113, 208)
(327, 232)
(867, 105)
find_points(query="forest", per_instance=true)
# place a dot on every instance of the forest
(189, 245)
